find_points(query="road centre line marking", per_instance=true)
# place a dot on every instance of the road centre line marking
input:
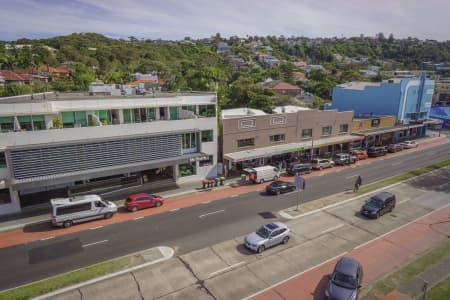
(298, 274)
(211, 213)
(47, 238)
(350, 177)
(95, 227)
(332, 228)
(138, 218)
(95, 243)
(226, 268)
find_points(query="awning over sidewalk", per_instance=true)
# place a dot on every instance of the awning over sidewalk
(292, 147)
(64, 178)
(391, 129)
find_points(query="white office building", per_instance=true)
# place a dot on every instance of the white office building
(59, 144)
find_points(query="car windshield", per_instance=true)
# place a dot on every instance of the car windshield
(376, 202)
(263, 232)
(344, 280)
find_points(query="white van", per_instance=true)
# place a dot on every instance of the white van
(67, 211)
(264, 173)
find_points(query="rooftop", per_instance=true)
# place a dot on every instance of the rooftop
(241, 112)
(288, 109)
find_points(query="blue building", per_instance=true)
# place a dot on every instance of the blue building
(408, 99)
(441, 113)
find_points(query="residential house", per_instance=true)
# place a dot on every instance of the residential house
(10, 77)
(283, 88)
(236, 62)
(300, 76)
(222, 47)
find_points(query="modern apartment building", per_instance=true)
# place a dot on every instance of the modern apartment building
(70, 143)
(255, 138)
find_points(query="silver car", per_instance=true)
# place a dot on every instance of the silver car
(267, 236)
(322, 163)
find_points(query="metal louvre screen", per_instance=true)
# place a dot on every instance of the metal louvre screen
(44, 161)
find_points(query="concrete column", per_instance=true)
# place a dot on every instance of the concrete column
(176, 172)
(14, 206)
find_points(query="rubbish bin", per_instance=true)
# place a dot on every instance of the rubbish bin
(216, 181)
(222, 178)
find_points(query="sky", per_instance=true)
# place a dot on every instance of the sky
(177, 19)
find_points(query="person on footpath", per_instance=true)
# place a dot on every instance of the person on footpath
(358, 183)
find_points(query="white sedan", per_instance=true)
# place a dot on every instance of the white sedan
(409, 144)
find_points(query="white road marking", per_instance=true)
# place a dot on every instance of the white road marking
(397, 163)
(95, 227)
(332, 228)
(138, 218)
(206, 202)
(175, 209)
(47, 238)
(234, 196)
(227, 268)
(352, 176)
(95, 243)
(211, 213)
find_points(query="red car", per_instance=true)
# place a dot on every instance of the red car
(140, 201)
(359, 154)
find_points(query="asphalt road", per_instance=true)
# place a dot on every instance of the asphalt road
(189, 228)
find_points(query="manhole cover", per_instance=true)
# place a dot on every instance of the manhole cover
(267, 215)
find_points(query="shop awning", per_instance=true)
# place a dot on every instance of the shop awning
(391, 129)
(292, 147)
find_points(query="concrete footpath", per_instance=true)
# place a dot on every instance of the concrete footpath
(298, 269)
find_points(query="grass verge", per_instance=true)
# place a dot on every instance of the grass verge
(440, 291)
(402, 177)
(411, 269)
(71, 278)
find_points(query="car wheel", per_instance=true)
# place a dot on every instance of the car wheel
(320, 168)
(276, 178)
(285, 240)
(67, 224)
(158, 204)
(261, 181)
(134, 209)
(261, 249)
(108, 215)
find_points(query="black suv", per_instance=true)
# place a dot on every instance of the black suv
(346, 280)
(279, 187)
(376, 151)
(344, 159)
(300, 169)
(378, 205)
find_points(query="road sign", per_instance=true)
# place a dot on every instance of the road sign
(299, 182)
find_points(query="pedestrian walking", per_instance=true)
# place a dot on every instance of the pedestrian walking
(358, 183)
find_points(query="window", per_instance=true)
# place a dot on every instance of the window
(207, 136)
(151, 114)
(2, 160)
(207, 110)
(326, 130)
(187, 169)
(72, 119)
(307, 133)
(375, 122)
(343, 128)
(206, 161)
(65, 210)
(173, 112)
(104, 116)
(277, 138)
(7, 124)
(189, 142)
(127, 116)
(246, 142)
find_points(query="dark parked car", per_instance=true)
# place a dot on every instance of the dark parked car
(279, 187)
(345, 281)
(344, 159)
(394, 148)
(378, 205)
(142, 200)
(299, 169)
(376, 151)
